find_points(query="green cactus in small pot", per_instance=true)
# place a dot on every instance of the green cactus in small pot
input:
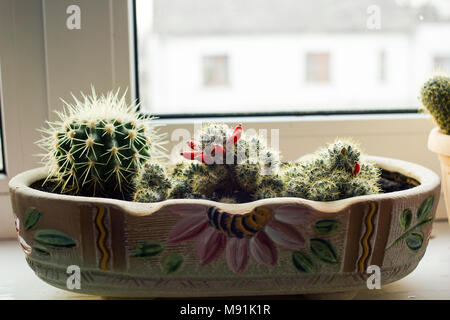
(435, 96)
(98, 145)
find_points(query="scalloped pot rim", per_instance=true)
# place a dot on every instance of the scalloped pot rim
(427, 178)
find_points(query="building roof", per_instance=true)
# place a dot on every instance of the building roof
(197, 17)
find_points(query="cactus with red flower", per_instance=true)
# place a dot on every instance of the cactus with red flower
(225, 163)
(333, 173)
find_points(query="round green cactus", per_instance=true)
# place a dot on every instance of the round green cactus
(98, 145)
(435, 96)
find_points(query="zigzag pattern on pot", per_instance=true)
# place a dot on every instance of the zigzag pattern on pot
(365, 241)
(99, 223)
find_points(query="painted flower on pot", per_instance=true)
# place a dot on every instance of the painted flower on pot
(254, 234)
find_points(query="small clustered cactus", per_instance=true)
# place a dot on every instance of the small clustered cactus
(229, 166)
(334, 173)
(435, 95)
(152, 183)
(98, 146)
(223, 165)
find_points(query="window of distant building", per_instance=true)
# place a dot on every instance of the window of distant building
(382, 67)
(318, 67)
(442, 63)
(215, 71)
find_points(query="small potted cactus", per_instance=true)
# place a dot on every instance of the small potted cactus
(227, 217)
(435, 97)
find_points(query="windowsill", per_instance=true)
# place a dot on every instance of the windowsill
(430, 280)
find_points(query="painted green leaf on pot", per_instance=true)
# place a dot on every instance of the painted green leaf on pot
(147, 249)
(405, 219)
(323, 250)
(171, 263)
(54, 238)
(414, 241)
(425, 208)
(41, 250)
(31, 218)
(326, 226)
(302, 262)
(410, 231)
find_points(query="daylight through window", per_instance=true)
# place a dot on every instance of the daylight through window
(217, 56)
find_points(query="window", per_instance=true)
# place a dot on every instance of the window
(280, 48)
(317, 67)
(266, 43)
(382, 67)
(442, 63)
(215, 71)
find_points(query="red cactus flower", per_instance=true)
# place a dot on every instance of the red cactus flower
(192, 144)
(215, 149)
(234, 138)
(356, 169)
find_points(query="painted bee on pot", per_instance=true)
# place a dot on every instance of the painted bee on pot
(239, 225)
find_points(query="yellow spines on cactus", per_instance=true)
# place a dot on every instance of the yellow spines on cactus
(204, 179)
(152, 183)
(324, 190)
(181, 189)
(248, 175)
(271, 186)
(228, 162)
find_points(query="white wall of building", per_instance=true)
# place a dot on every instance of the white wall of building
(429, 41)
(267, 72)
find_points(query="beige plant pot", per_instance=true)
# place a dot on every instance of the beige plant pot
(198, 248)
(440, 144)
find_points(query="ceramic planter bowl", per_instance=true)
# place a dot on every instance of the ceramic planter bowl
(440, 144)
(195, 248)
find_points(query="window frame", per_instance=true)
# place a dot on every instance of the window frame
(114, 32)
(2, 135)
(289, 113)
